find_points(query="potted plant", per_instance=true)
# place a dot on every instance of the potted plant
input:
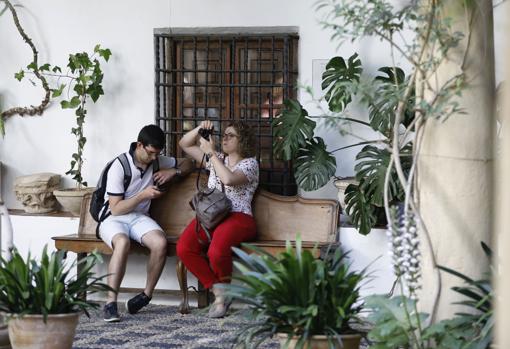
(42, 300)
(86, 77)
(315, 165)
(304, 301)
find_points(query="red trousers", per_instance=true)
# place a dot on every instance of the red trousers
(212, 263)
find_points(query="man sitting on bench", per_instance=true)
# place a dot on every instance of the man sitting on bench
(128, 205)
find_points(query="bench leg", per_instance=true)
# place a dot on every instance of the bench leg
(204, 296)
(183, 284)
(79, 268)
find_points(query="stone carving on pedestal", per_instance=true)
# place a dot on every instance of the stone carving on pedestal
(36, 192)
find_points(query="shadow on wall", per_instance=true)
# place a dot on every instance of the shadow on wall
(106, 143)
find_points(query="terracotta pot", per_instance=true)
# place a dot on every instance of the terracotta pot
(349, 341)
(30, 331)
(71, 199)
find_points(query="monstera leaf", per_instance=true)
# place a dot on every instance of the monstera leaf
(365, 200)
(314, 165)
(358, 207)
(372, 167)
(337, 78)
(291, 130)
(391, 86)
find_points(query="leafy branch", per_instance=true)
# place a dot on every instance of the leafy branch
(33, 67)
(84, 80)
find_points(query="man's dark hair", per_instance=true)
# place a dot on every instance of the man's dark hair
(152, 135)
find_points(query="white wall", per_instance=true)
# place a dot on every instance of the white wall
(60, 27)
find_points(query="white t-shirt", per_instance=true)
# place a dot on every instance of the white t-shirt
(240, 195)
(140, 180)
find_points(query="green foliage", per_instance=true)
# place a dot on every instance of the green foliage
(397, 323)
(295, 293)
(292, 130)
(337, 79)
(362, 213)
(48, 286)
(390, 94)
(85, 81)
(389, 88)
(363, 201)
(293, 134)
(19, 75)
(314, 165)
(474, 328)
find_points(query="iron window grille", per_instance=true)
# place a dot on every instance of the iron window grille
(224, 74)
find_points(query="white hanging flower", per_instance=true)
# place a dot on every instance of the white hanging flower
(404, 247)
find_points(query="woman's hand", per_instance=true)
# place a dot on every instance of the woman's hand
(207, 146)
(207, 124)
(188, 142)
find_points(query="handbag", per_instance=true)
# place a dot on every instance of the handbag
(211, 208)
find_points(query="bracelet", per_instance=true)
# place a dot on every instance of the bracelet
(178, 172)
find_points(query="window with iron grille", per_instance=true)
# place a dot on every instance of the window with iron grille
(223, 74)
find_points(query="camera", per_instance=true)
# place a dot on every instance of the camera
(162, 187)
(205, 133)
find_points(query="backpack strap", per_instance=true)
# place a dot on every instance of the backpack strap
(124, 161)
(127, 170)
(155, 165)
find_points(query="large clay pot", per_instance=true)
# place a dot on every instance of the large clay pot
(30, 331)
(349, 341)
(71, 199)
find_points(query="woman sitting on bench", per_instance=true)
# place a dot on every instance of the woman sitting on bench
(238, 170)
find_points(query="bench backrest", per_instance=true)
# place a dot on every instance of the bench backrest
(278, 217)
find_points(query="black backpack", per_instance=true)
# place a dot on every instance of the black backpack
(98, 207)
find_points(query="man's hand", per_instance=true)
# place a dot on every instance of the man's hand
(151, 193)
(120, 206)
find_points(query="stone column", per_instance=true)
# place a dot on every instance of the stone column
(455, 163)
(502, 209)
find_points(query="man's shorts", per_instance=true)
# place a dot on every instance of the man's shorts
(134, 225)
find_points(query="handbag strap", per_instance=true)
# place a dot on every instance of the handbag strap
(200, 172)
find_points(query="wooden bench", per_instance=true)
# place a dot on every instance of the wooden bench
(279, 218)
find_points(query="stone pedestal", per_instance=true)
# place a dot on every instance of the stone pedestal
(341, 184)
(36, 192)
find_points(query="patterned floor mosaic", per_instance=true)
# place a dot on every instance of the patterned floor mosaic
(160, 327)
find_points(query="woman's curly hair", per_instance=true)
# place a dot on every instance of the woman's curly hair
(247, 139)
